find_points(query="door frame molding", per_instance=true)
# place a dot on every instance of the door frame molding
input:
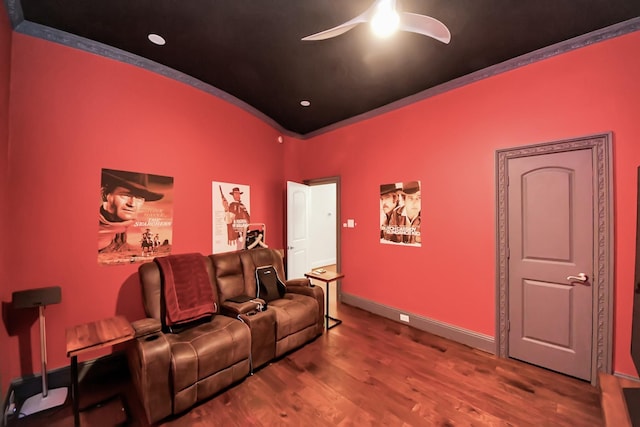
(603, 249)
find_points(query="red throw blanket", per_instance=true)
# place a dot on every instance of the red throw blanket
(187, 290)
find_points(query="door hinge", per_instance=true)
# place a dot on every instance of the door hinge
(508, 325)
(508, 253)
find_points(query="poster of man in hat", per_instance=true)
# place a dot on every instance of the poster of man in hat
(400, 207)
(135, 209)
(231, 216)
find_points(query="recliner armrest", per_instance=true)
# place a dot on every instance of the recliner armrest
(303, 281)
(146, 326)
(311, 291)
(233, 309)
(150, 366)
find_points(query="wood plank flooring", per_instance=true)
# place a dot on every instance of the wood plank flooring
(615, 409)
(371, 371)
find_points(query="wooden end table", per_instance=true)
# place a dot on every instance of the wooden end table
(93, 336)
(326, 277)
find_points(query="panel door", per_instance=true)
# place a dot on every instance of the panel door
(298, 202)
(551, 235)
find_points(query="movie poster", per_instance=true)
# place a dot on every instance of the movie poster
(230, 215)
(135, 217)
(400, 206)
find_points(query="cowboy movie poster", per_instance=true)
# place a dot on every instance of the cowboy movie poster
(135, 218)
(400, 206)
(231, 216)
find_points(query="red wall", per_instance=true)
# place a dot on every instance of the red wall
(5, 293)
(74, 113)
(449, 143)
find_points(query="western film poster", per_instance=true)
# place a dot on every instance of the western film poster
(135, 217)
(230, 215)
(400, 207)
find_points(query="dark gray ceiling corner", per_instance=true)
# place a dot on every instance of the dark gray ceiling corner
(15, 12)
(250, 53)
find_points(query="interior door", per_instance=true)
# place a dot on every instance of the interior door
(298, 200)
(550, 235)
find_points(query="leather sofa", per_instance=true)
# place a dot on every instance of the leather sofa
(172, 371)
(294, 319)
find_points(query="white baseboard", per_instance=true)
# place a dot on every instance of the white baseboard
(323, 263)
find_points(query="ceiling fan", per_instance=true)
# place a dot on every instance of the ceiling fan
(385, 20)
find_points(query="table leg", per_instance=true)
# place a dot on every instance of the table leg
(326, 315)
(74, 391)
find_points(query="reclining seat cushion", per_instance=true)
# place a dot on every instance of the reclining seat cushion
(294, 312)
(207, 349)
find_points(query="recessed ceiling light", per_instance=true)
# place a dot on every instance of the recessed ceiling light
(305, 103)
(156, 39)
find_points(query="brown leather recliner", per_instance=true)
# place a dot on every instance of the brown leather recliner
(287, 323)
(174, 371)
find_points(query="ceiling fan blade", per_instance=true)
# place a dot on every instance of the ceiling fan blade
(424, 25)
(343, 28)
(332, 32)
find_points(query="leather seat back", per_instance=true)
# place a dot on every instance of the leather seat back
(230, 276)
(255, 258)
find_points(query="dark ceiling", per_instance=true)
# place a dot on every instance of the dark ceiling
(250, 53)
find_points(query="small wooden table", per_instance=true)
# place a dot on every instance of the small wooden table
(326, 277)
(92, 336)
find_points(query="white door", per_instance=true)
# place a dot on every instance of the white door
(551, 260)
(298, 200)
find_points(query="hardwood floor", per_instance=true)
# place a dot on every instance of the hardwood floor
(371, 371)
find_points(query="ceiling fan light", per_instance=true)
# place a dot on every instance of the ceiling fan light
(386, 20)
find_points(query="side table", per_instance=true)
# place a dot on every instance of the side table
(327, 277)
(92, 336)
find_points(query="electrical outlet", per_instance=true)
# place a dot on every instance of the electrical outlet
(404, 318)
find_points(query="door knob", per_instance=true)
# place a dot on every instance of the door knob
(579, 278)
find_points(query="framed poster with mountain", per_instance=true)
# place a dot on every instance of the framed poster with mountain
(135, 218)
